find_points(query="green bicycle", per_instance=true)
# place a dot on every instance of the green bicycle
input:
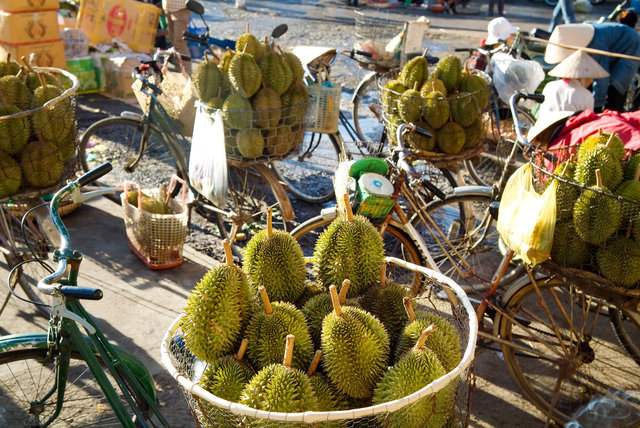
(62, 375)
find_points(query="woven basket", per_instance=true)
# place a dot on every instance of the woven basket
(157, 239)
(373, 31)
(455, 307)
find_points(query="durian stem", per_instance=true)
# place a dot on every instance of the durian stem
(268, 309)
(335, 300)
(636, 176)
(247, 27)
(627, 234)
(342, 296)
(314, 363)
(598, 179)
(347, 207)
(242, 350)
(423, 337)
(206, 57)
(610, 139)
(228, 255)
(26, 63)
(269, 222)
(409, 309)
(8, 58)
(416, 86)
(424, 53)
(383, 275)
(288, 350)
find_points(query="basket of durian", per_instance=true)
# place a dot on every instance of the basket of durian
(260, 91)
(448, 101)
(38, 144)
(597, 226)
(374, 352)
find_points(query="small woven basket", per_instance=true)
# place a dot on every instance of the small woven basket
(157, 239)
(324, 112)
(373, 31)
(210, 410)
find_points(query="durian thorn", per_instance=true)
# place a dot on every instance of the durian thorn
(636, 176)
(26, 63)
(383, 275)
(288, 350)
(335, 300)
(314, 363)
(409, 309)
(268, 309)
(228, 255)
(598, 179)
(342, 296)
(269, 222)
(242, 349)
(347, 207)
(423, 337)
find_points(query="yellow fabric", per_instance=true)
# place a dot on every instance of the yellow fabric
(526, 220)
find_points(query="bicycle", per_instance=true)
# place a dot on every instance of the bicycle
(62, 375)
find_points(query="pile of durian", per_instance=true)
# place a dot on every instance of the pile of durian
(35, 146)
(596, 231)
(448, 102)
(362, 344)
(261, 93)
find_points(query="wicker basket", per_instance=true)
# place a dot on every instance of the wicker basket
(58, 111)
(324, 112)
(157, 239)
(374, 29)
(456, 308)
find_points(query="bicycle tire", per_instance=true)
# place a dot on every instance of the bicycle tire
(308, 170)
(367, 119)
(627, 330)
(397, 243)
(26, 375)
(118, 140)
(558, 337)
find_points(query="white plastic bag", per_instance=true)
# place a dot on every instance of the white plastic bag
(208, 159)
(512, 75)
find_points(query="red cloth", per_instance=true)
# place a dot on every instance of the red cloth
(580, 126)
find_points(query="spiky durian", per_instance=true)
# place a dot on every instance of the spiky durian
(16, 93)
(435, 109)
(474, 133)
(275, 72)
(14, 133)
(449, 70)
(464, 108)
(598, 158)
(9, 67)
(600, 138)
(249, 44)
(450, 138)
(619, 261)
(226, 59)
(420, 141)
(207, 80)
(630, 190)
(53, 123)
(477, 87)
(41, 163)
(250, 143)
(311, 289)
(267, 108)
(567, 192)
(10, 175)
(294, 64)
(245, 74)
(391, 93)
(568, 249)
(630, 167)
(237, 112)
(415, 71)
(433, 84)
(294, 104)
(410, 105)
(596, 216)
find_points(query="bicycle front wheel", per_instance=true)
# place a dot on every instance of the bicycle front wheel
(137, 152)
(561, 349)
(28, 374)
(308, 170)
(367, 113)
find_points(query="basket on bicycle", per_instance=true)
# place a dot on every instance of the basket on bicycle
(381, 34)
(597, 226)
(454, 113)
(38, 144)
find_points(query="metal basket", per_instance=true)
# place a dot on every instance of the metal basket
(455, 307)
(59, 111)
(373, 31)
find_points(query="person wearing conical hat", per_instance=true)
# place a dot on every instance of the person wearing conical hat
(570, 93)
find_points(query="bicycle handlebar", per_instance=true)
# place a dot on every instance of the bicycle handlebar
(526, 146)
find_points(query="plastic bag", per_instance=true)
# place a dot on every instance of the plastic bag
(511, 75)
(526, 220)
(208, 159)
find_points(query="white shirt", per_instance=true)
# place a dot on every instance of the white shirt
(569, 96)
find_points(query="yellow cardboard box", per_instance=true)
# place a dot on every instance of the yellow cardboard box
(133, 22)
(28, 5)
(29, 27)
(118, 68)
(48, 54)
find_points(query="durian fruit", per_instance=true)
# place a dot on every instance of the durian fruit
(630, 167)
(248, 43)
(568, 249)
(596, 216)
(207, 80)
(54, 123)
(435, 109)
(477, 86)
(391, 93)
(275, 72)
(419, 367)
(433, 84)
(355, 346)
(464, 108)
(294, 104)
(329, 398)
(149, 204)
(273, 259)
(449, 70)
(216, 310)
(226, 59)
(278, 140)
(350, 248)
(420, 141)
(630, 190)
(14, 133)
(599, 157)
(444, 341)
(41, 163)
(9, 67)
(415, 71)
(280, 387)
(600, 138)
(311, 289)
(245, 74)
(267, 108)
(250, 142)
(226, 378)
(619, 261)
(566, 192)
(237, 112)
(15, 92)
(410, 105)
(10, 175)
(294, 64)
(450, 138)
(268, 329)
(474, 133)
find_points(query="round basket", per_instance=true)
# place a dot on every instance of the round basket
(374, 29)
(575, 253)
(53, 129)
(454, 306)
(474, 123)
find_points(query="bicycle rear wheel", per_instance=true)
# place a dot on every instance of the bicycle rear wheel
(562, 351)
(367, 113)
(27, 374)
(626, 324)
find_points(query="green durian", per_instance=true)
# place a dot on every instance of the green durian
(267, 108)
(450, 138)
(566, 192)
(294, 64)
(250, 143)
(9, 67)
(245, 74)
(474, 134)
(249, 44)
(14, 133)
(435, 109)
(237, 112)
(568, 249)
(415, 71)
(598, 158)
(619, 261)
(10, 175)
(477, 87)
(275, 72)
(226, 59)
(630, 190)
(420, 141)
(433, 84)
(449, 70)
(207, 80)
(410, 105)
(630, 167)
(13, 91)
(391, 93)
(600, 138)
(329, 398)
(294, 104)
(41, 163)
(464, 108)
(596, 216)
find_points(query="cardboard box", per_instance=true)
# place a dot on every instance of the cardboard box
(84, 70)
(29, 27)
(133, 22)
(118, 68)
(28, 5)
(48, 54)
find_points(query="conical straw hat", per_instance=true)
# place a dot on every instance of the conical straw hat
(578, 35)
(579, 65)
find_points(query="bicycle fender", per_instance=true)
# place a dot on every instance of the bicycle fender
(366, 80)
(39, 340)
